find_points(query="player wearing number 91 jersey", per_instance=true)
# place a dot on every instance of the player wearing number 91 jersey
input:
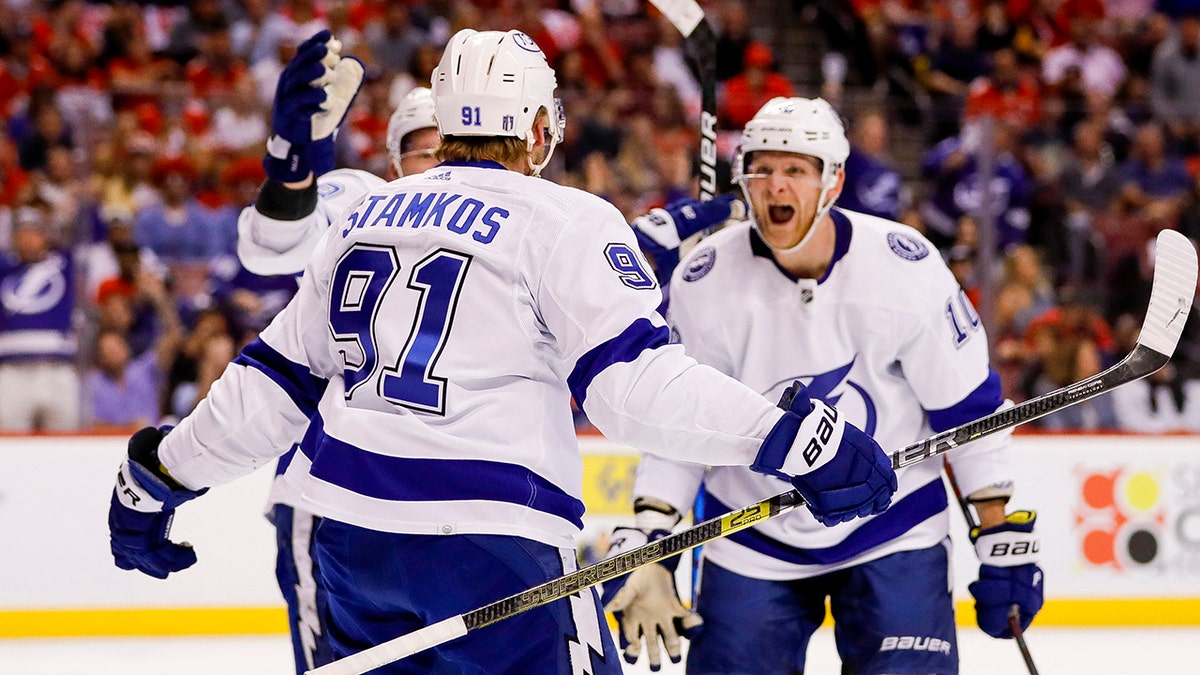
(440, 330)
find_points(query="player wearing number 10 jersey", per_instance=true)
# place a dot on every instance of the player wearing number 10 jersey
(442, 325)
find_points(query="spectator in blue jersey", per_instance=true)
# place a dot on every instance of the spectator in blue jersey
(872, 184)
(39, 387)
(954, 168)
(123, 390)
(179, 228)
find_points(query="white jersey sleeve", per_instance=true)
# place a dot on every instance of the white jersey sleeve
(267, 246)
(262, 403)
(634, 386)
(944, 353)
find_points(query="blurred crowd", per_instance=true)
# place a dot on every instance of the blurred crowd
(1059, 136)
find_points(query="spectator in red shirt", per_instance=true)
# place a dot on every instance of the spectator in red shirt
(1006, 94)
(744, 94)
(216, 72)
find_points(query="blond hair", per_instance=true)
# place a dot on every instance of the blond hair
(507, 150)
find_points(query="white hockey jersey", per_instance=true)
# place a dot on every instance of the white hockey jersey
(440, 330)
(886, 336)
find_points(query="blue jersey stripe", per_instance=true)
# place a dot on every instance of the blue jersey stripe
(986, 398)
(420, 479)
(637, 338)
(915, 508)
(297, 381)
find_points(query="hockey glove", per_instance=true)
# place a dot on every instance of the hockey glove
(313, 94)
(1008, 573)
(841, 472)
(142, 507)
(661, 231)
(645, 602)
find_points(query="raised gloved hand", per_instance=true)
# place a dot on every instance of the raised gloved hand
(841, 472)
(661, 231)
(645, 602)
(142, 507)
(314, 93)
(1008, 573)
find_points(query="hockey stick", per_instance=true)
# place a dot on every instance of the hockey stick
(701, 47)
(1014, 613)
(1014, 624)
(1171, 298)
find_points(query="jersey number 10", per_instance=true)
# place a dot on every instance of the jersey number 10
(360, 280)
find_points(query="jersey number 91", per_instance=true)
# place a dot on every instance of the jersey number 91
(361, 279)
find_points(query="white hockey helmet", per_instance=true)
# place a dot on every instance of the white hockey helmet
(799, 125)
(494, 83)
(414, 113)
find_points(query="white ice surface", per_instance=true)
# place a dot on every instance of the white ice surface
(1057, 651)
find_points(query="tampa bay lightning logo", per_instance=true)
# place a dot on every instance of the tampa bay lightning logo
(329, 189)
(37, 290)
(832, 387)
(700, 264)
(525, 42)
(906, 246)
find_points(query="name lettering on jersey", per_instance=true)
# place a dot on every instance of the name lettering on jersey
(915, 643)
(448, 210)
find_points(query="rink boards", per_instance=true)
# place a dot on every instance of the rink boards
(1119, 518)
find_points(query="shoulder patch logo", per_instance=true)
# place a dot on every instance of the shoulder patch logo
(327, 190)
(700, 265)
(906, 246)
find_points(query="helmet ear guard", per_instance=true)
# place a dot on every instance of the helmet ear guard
(495, 83)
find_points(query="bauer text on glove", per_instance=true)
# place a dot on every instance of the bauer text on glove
(1008, 573)
(841, 472)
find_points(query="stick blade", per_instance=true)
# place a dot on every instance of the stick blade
(1172, 294)
(684, 14)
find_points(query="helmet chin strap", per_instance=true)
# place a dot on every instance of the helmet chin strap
(812, 229)
(535, 168)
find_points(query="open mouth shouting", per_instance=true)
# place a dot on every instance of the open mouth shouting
(780, 214)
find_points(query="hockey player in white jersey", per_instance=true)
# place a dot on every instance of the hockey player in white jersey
(865, 314)
(441, 328)
(276, 235)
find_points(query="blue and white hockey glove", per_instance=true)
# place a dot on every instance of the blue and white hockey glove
(1008, 573)
(645, 602)
(661, 231)
(841, 472)
(313, 94)
(142, 507)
